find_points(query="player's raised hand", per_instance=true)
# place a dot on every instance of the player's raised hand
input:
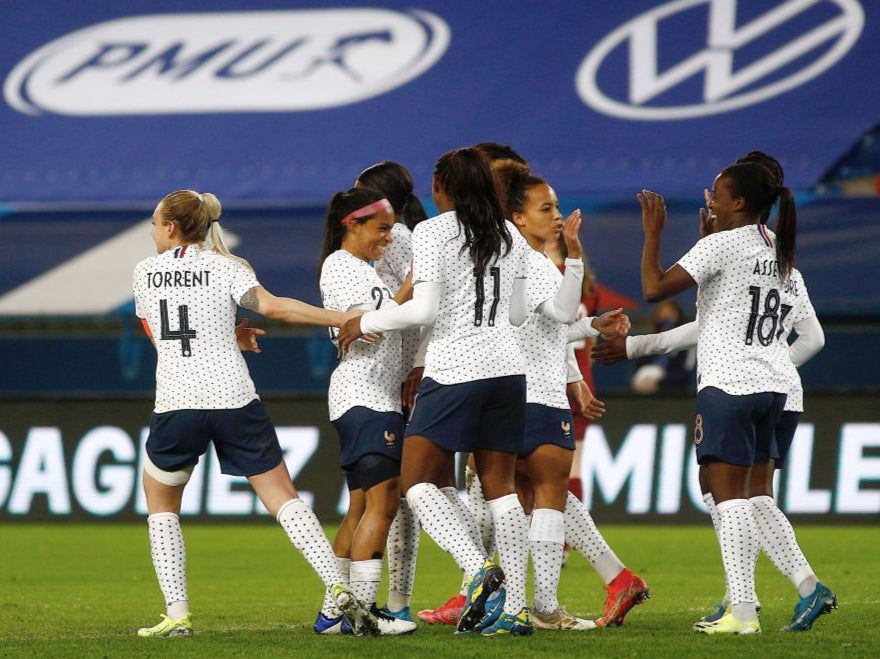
(653, 213)
(570, 235)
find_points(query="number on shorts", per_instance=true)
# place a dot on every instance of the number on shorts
(183, 334)
(495, 273)
(768, 324)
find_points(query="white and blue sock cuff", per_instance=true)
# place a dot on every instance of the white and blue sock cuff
(504, 504)
(548, 525)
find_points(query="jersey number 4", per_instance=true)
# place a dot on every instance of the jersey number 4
(766, 323)
(183, 333)
(495, 273)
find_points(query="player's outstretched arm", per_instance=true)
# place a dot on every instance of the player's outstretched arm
(292, 311)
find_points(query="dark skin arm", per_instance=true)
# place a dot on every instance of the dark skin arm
(658, 284)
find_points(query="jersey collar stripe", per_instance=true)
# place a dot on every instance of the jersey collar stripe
(763, 231)
(180, 251)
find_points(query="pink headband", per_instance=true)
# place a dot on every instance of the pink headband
(372, 209)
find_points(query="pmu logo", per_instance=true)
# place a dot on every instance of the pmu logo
(271, 61)
(744, 60)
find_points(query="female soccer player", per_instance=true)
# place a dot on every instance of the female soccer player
(545, 461)
(469, 272)
(395, 182)
(187, 298)
(364, 396)
(776, 535)
(743, 275)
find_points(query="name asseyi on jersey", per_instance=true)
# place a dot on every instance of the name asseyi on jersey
(178, 279)
(766, 267)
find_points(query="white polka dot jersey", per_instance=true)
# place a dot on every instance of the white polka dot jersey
(742, 307)
(189, 296)
(472, 338)
(541, 340)
(369, 374)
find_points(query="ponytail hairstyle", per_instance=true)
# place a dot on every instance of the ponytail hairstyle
(465, 177)
(515, 180)
(770, 163)
(396, 183)
(759, 187)
(197, 217)
(343, 204)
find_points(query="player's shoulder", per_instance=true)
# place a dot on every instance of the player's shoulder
(444, 222)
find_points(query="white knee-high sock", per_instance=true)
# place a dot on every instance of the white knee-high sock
(169, 560)
(777, 539)
(546, 543)
(739, 548)
(329, 607)
(481, 512)
(438, 517)
(401, 549)
(709, 500)
(512, 537)
(582, 534)
(465, 514)
(305, 532)
(365, 577)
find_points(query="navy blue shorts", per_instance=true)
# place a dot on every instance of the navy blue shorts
(244, 439)
(785, 430)
(487, 415)
(547, 425)
(369, 470)
(737, 430)
(363, 431)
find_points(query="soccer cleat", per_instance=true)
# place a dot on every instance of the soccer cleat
(625, 591)
(727, 624)
(403, 614)
(484, 583)
(330, 626)
(716, 614)
(821, 600)
(560, 619)
(391, 626)
(508, 623)
(169, 628)
(448, 614)
(361, 620)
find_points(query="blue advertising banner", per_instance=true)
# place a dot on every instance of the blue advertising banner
(287, 101)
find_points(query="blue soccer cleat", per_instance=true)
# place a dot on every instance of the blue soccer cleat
(509, 624)
(484, 583)
(821, 600)
(330, 626)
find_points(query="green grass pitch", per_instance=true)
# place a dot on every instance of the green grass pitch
(82, 591)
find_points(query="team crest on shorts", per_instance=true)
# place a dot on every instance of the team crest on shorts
(390, 439)
(566, 428)
(698, 429)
